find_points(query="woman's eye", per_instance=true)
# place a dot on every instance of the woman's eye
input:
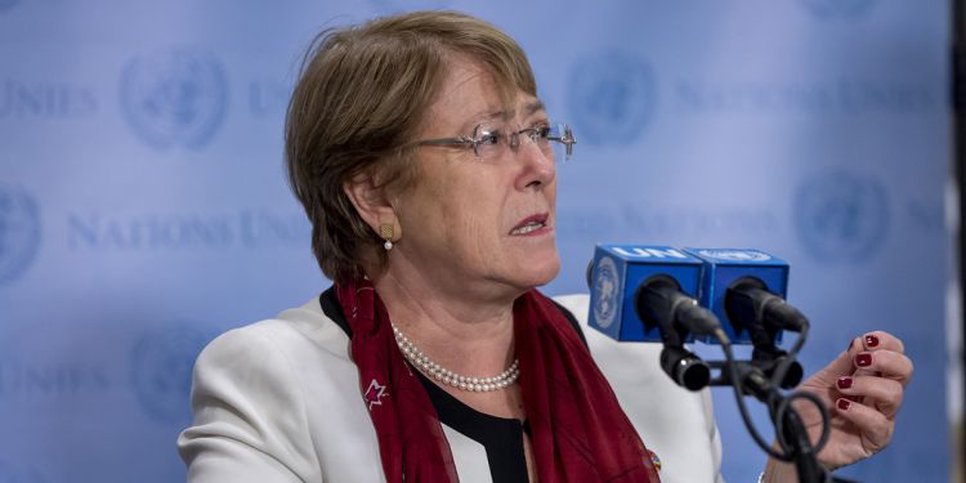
(489, 137)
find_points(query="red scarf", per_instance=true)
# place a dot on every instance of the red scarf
(578, 431)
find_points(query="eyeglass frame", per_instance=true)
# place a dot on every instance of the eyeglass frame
(567, 139)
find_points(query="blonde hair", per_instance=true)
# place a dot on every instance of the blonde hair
(361, 97)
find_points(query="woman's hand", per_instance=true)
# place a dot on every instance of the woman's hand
(862, 389)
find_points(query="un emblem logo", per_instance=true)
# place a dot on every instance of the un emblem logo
(612, 96)
(161, 365)
(850, 9)
(19, 232)
(607, 287)
(174, 97)
(8, 4)
(841, 216)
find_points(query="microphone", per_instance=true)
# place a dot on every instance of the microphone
(746, 289)
(649, 294)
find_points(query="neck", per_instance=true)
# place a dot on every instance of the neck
(467, 333)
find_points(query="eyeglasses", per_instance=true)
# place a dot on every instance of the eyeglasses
(490, 142)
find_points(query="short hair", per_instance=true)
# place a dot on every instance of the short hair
(362, 94)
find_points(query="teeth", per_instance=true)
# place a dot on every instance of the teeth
(529, 227)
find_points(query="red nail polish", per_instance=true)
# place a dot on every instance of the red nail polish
(871, 341)
(844, 404)
(844, 382)
(863, 360)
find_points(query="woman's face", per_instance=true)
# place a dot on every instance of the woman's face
(485, 221)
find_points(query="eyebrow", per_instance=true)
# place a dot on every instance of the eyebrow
(506, 114)
(534, 107)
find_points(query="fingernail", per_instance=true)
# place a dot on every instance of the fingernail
(863, 360)
(871, 341)
(844, 404)
(844, 382)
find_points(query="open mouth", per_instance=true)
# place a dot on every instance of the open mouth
(530, 224)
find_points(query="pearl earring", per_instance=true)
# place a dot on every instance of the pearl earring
(386, 232)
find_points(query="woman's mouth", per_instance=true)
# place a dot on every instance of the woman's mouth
(530, 224)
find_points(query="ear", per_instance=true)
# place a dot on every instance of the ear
(372, 203)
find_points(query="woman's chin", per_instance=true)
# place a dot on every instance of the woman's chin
(539, 271)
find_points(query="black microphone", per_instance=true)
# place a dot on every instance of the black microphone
(648, 294)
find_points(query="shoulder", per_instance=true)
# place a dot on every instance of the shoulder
(253, 404)
(304, 328)
(297, 343)
(267, 365)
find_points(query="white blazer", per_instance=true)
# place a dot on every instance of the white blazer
(278, 401)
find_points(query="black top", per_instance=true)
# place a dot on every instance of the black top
(502, 438)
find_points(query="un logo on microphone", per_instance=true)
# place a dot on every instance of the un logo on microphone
(612, 97)
(848, 9)
(841, 216)
(19, 232)
(607, 287)
(174, 97)
(161, 365)
(733, 255)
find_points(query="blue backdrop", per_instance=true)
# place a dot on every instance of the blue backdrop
(143, 207)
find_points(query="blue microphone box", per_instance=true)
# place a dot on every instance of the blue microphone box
(725, 266)
(618, 270)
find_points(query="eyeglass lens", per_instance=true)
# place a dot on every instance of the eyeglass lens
(554, 140)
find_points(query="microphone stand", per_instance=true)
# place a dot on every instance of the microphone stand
(753, 381)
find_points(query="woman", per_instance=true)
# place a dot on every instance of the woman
(424, 160)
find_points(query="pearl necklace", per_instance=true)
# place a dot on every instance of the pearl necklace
(450, 378)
